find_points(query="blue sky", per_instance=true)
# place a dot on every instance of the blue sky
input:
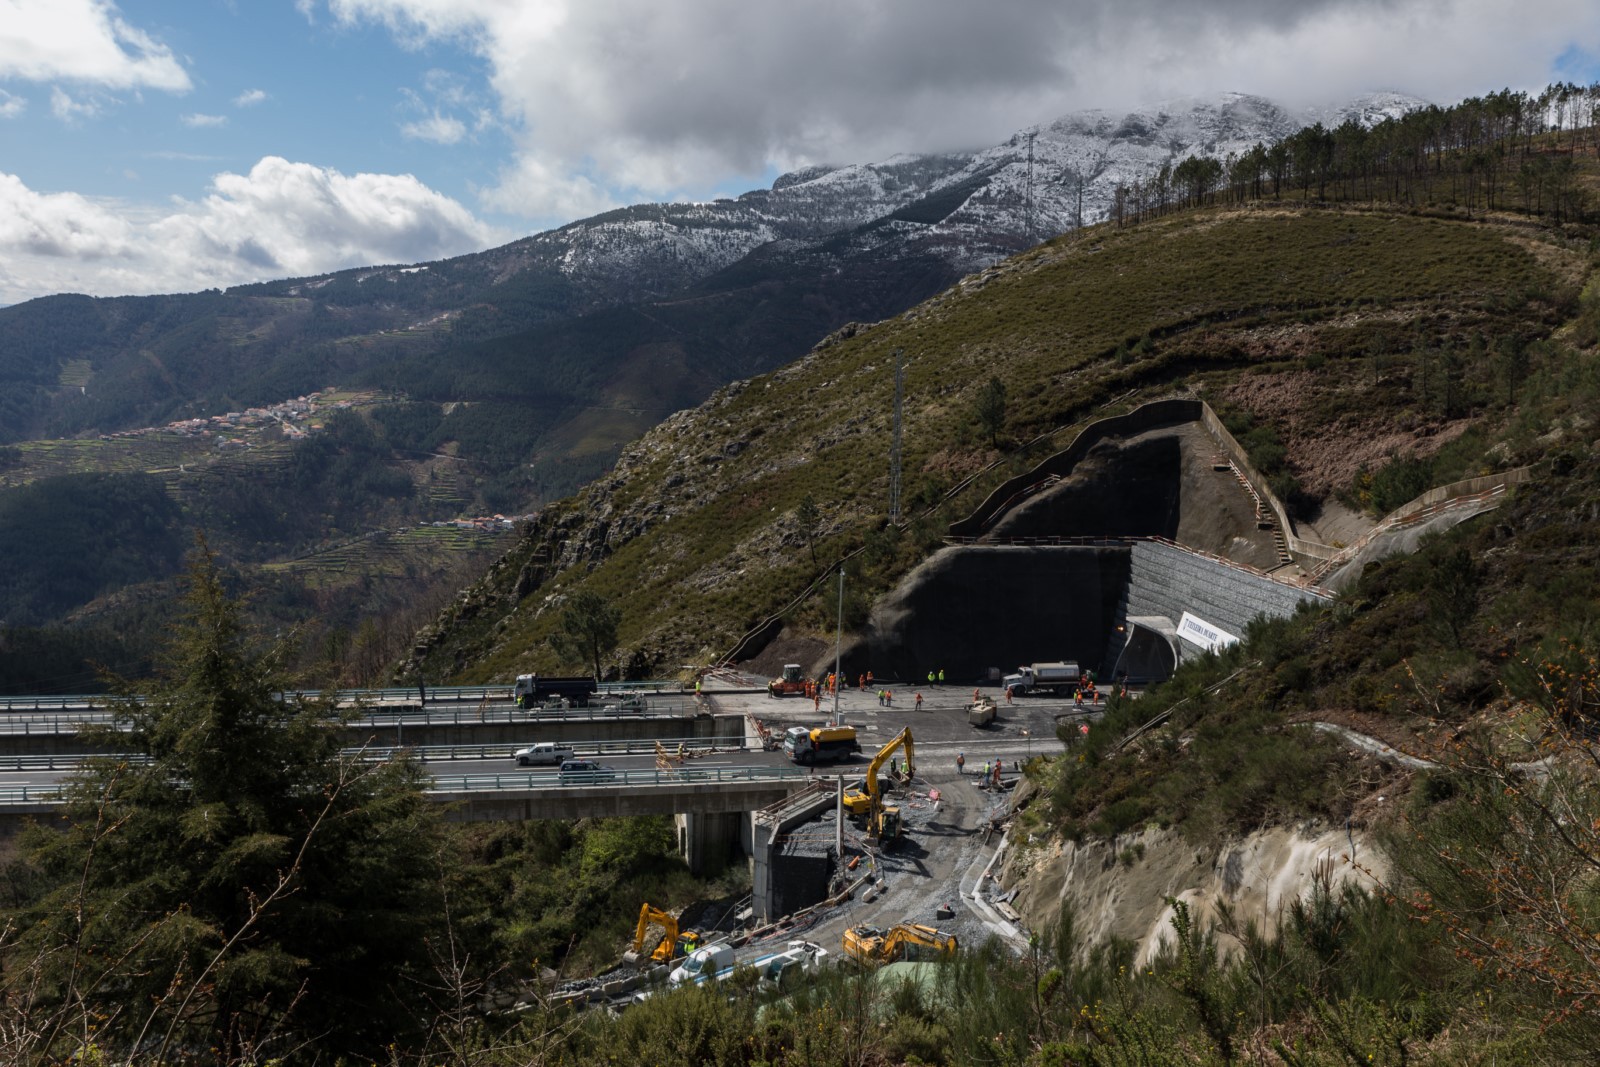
(263, 80)
(155, 145)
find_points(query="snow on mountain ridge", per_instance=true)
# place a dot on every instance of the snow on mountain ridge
(967, 208)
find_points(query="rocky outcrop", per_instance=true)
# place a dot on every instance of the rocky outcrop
(1123, 888)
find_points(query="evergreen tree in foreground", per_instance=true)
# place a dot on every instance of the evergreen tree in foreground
(231, 887)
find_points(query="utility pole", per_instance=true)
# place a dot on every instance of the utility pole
(894, 445)
(1027, 211)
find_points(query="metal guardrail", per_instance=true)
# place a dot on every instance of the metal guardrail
(31, 722)
(427, 753)
(426, 694)
(467, 783)
(18, 796)
(63, 703)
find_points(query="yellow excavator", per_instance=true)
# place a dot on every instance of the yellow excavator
(883, 823)
(669, 943)
(872, 945)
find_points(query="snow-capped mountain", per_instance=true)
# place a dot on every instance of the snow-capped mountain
(721, 290)
(968, 209)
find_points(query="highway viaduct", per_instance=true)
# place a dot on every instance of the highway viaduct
(711, 806)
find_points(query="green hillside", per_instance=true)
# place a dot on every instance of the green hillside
(1372, 313)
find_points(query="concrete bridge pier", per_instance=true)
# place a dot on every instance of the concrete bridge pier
(770, 877)
(707, 840)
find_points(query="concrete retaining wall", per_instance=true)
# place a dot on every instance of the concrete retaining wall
(1167, 581)
(1465, 487)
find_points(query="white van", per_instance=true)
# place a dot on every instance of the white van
(544, 753)
(712, 963)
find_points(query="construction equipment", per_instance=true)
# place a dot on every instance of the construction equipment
(871, 945)
(1057, 678)
(981, 712)
(820, 745)
(670, 944)
(791, 684)
(883, 823)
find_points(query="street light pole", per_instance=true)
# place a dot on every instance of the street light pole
(838, 648)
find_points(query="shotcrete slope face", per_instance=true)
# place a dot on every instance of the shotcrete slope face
(973, 608)
(1160, 483)
(969, 609)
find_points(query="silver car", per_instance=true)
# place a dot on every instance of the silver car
(545, 753)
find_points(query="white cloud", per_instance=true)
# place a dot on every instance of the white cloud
(281, 219)
(65, 108)
(84, 41)
(64, 226)
(11, 105)
(647, 100)
(440, 129)
(199, 121)
(532, 189)
(250, 97)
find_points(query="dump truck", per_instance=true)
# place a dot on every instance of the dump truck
(981, 712)
(1058, 679)
(534, 689)
(872, 945)
(792, 683)
(658, 933)
(883, 823)
(821, 744)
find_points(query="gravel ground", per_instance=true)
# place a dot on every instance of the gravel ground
(941, 851)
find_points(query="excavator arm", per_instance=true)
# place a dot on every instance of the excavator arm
(913, 941)
(868, 803)
(871, 945)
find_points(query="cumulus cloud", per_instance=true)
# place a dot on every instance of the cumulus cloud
(281, 219)
(84, 41)
(249, 98)
(198, 121)
(11, 105)
(648, 99)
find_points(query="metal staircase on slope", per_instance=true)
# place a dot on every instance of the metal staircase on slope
(1265, 519)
